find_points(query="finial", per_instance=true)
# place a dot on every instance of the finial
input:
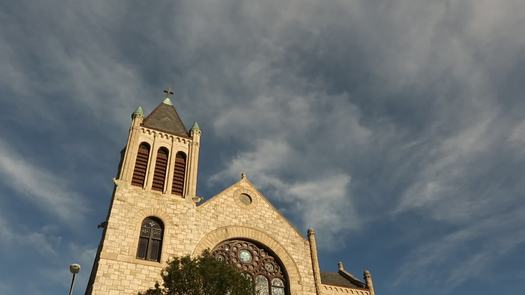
(367, 273)
(138, 112)
(168, 92)
(311, 231)
(167, 101)
(195, 126)
(243, 175)
(340, 266)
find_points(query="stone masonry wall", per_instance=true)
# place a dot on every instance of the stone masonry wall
(189, 229)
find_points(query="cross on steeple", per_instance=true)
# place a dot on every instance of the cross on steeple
(168, 92)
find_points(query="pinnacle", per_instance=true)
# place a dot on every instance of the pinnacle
(195, 126)
(138, 112)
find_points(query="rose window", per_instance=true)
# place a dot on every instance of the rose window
(260, 265)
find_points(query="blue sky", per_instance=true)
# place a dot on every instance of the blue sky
(394, 128)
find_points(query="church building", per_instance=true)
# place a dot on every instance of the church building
(156, 214)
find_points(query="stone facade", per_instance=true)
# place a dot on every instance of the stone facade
(191, 226)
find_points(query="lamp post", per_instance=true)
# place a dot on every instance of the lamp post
(74, 269)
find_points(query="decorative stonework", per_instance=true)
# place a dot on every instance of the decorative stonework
(163, 135)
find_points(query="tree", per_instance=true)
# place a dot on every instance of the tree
(203, 275)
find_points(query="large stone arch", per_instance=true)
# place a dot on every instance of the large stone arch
(213, 238)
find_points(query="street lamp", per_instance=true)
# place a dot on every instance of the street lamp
(74, 269)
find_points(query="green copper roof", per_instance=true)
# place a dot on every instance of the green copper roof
(167, 101)
(138, 112)
(195, 126)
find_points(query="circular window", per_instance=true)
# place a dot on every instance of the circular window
(245, 199)
(261, 265)
(245, 256)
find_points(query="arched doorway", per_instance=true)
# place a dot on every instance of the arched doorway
(257, 262)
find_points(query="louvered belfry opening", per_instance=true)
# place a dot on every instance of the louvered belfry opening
(161, 166)
(179, 172)
(141, 165)
(150, 239)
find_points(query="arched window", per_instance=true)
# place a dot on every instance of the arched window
(150, 240)
(161, 165)
(179, 171)
(141, 165)
(260, 264)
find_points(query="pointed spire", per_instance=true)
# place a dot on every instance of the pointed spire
(138, 112)
(167, 101)
(195, 126)
(165, 118)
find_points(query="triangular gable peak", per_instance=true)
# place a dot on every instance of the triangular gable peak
(165, 118)
(244, 193)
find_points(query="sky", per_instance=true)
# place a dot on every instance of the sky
(396, 129)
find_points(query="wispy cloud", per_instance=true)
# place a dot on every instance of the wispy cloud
(465, 253)
(411, 107)
(40, 186)
(16, 237)
(323, 202)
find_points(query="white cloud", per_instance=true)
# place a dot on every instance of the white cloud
(308, 90)
(41, 187)
(322, 201)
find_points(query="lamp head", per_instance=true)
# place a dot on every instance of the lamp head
(74, 268)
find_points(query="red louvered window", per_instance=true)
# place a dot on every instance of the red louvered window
(141, 164)
(177, 187)
(161, 166)
(150, 239)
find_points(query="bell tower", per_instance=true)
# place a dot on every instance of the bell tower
(161, 155)
(155, 190)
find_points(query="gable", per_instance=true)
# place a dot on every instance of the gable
(243, 201)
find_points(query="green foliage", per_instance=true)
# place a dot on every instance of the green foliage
(203, 275)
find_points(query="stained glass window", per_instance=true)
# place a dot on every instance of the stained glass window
(261, 285)
(277, 287)
(150, 240)
(256, 262)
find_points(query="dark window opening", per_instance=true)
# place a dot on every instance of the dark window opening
(141, 165)
(179, 173)
(150, 239)
(161, 166)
